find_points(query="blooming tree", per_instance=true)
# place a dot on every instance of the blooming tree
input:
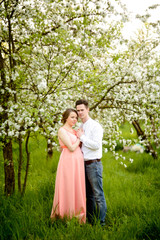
(125, 85)
(54, 52)
(44, 47)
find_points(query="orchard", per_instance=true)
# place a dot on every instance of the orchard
(55, 52)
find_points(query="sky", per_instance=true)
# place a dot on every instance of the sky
(139, 7)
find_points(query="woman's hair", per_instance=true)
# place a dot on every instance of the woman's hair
(66, 114)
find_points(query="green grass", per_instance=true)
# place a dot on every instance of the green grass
(132, 196)
(128, 131)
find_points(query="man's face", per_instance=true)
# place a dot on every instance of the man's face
(82, 112)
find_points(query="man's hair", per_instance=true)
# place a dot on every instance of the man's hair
(82, 101)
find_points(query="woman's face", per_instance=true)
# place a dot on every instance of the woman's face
(72, 119)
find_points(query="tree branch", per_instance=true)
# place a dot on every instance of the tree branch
(109, 89)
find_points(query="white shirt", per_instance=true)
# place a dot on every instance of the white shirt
(92, 140)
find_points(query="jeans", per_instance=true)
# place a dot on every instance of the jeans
(96, 204)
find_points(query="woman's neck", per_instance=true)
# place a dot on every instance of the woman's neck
(68, 126)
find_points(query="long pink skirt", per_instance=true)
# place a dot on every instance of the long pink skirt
(70, 197)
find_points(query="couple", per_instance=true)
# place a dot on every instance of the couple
(79, 172)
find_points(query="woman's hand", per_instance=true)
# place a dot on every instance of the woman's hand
(80, 132)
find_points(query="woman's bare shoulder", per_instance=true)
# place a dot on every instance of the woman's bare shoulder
(61, 130)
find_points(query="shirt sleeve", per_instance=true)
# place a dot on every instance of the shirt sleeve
(95, 141)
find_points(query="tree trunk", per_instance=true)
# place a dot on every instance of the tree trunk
(8, 168)
(49, 149)
(20, 163)
(154, 130)
(144, 137)
(27, 165)
(7, 143)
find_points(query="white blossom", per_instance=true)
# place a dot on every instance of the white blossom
(1, 109)
(36, 128)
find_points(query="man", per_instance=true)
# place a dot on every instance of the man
(91, 135)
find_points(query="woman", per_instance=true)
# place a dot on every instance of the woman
(69, 198)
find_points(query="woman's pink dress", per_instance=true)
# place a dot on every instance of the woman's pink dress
(70, 197)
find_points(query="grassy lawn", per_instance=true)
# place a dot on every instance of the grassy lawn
(132, 196)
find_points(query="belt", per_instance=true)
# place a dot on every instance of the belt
(92, 161)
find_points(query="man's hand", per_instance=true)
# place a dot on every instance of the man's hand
(80, 132)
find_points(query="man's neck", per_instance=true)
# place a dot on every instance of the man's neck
(86, 119)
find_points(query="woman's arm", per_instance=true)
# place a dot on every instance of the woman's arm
(66, 140)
